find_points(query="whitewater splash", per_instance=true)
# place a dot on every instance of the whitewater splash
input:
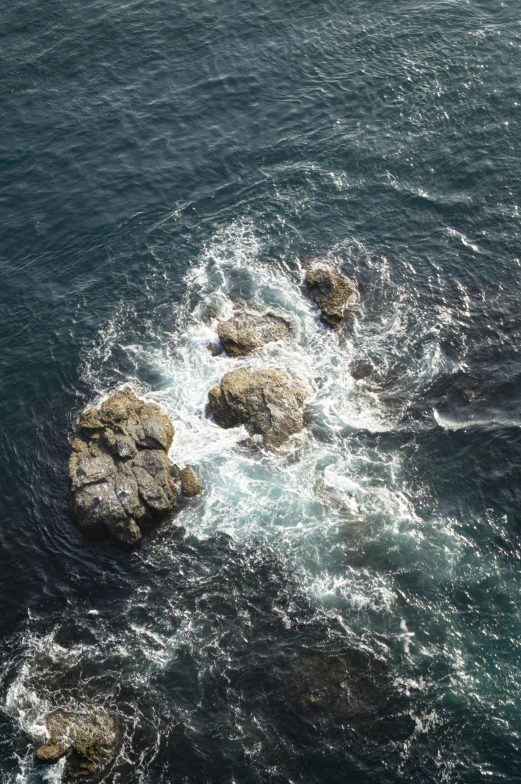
(313, 501)
(333, 475)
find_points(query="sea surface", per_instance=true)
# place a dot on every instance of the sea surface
(162, 163)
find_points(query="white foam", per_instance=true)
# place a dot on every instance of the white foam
(450, 423)
(463, 239)
(272, 495)
(342, 483)
(283, 500)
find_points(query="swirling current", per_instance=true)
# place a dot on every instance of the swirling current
(161, 161)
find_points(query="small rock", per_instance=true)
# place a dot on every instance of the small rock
(245, 332)
(361, 369)
(331, 293)
(350, 685)
(190, 482)
(340, 491)
(267, 402)
(52, 753)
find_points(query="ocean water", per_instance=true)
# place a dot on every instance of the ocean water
(163, 163)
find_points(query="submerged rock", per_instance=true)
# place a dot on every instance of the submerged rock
(90, 743)
(345, 502)
(266, 402)
(120, 479)
(361, 369)
(347, 686)
(245, 332)
(331, 292)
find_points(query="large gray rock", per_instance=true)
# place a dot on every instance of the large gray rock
(245, 332)
(267, 402)
(120, 478)
(89, 741)
(331, 292)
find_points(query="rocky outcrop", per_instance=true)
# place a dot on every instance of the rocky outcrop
(330, 291)
(120, 478)
(266, 402)
(90, 743)
(246, 332)
(189, 481)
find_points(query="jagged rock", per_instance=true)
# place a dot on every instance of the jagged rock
(245, 332)
(120, 478)
(190, 482)
(330, 291)
(90, 743)
(267, 402)
(187, 481)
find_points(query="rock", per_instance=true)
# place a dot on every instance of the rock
(90, 743)
(361, 369)
(338, 695)
(267, 402)
(119, 474)
(187, 481)
(350, 685)
(331, 293)
(344, 502)
(190, 482)
(246, 332)
(52, 753)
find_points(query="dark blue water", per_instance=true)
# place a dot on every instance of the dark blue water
(158, 157)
